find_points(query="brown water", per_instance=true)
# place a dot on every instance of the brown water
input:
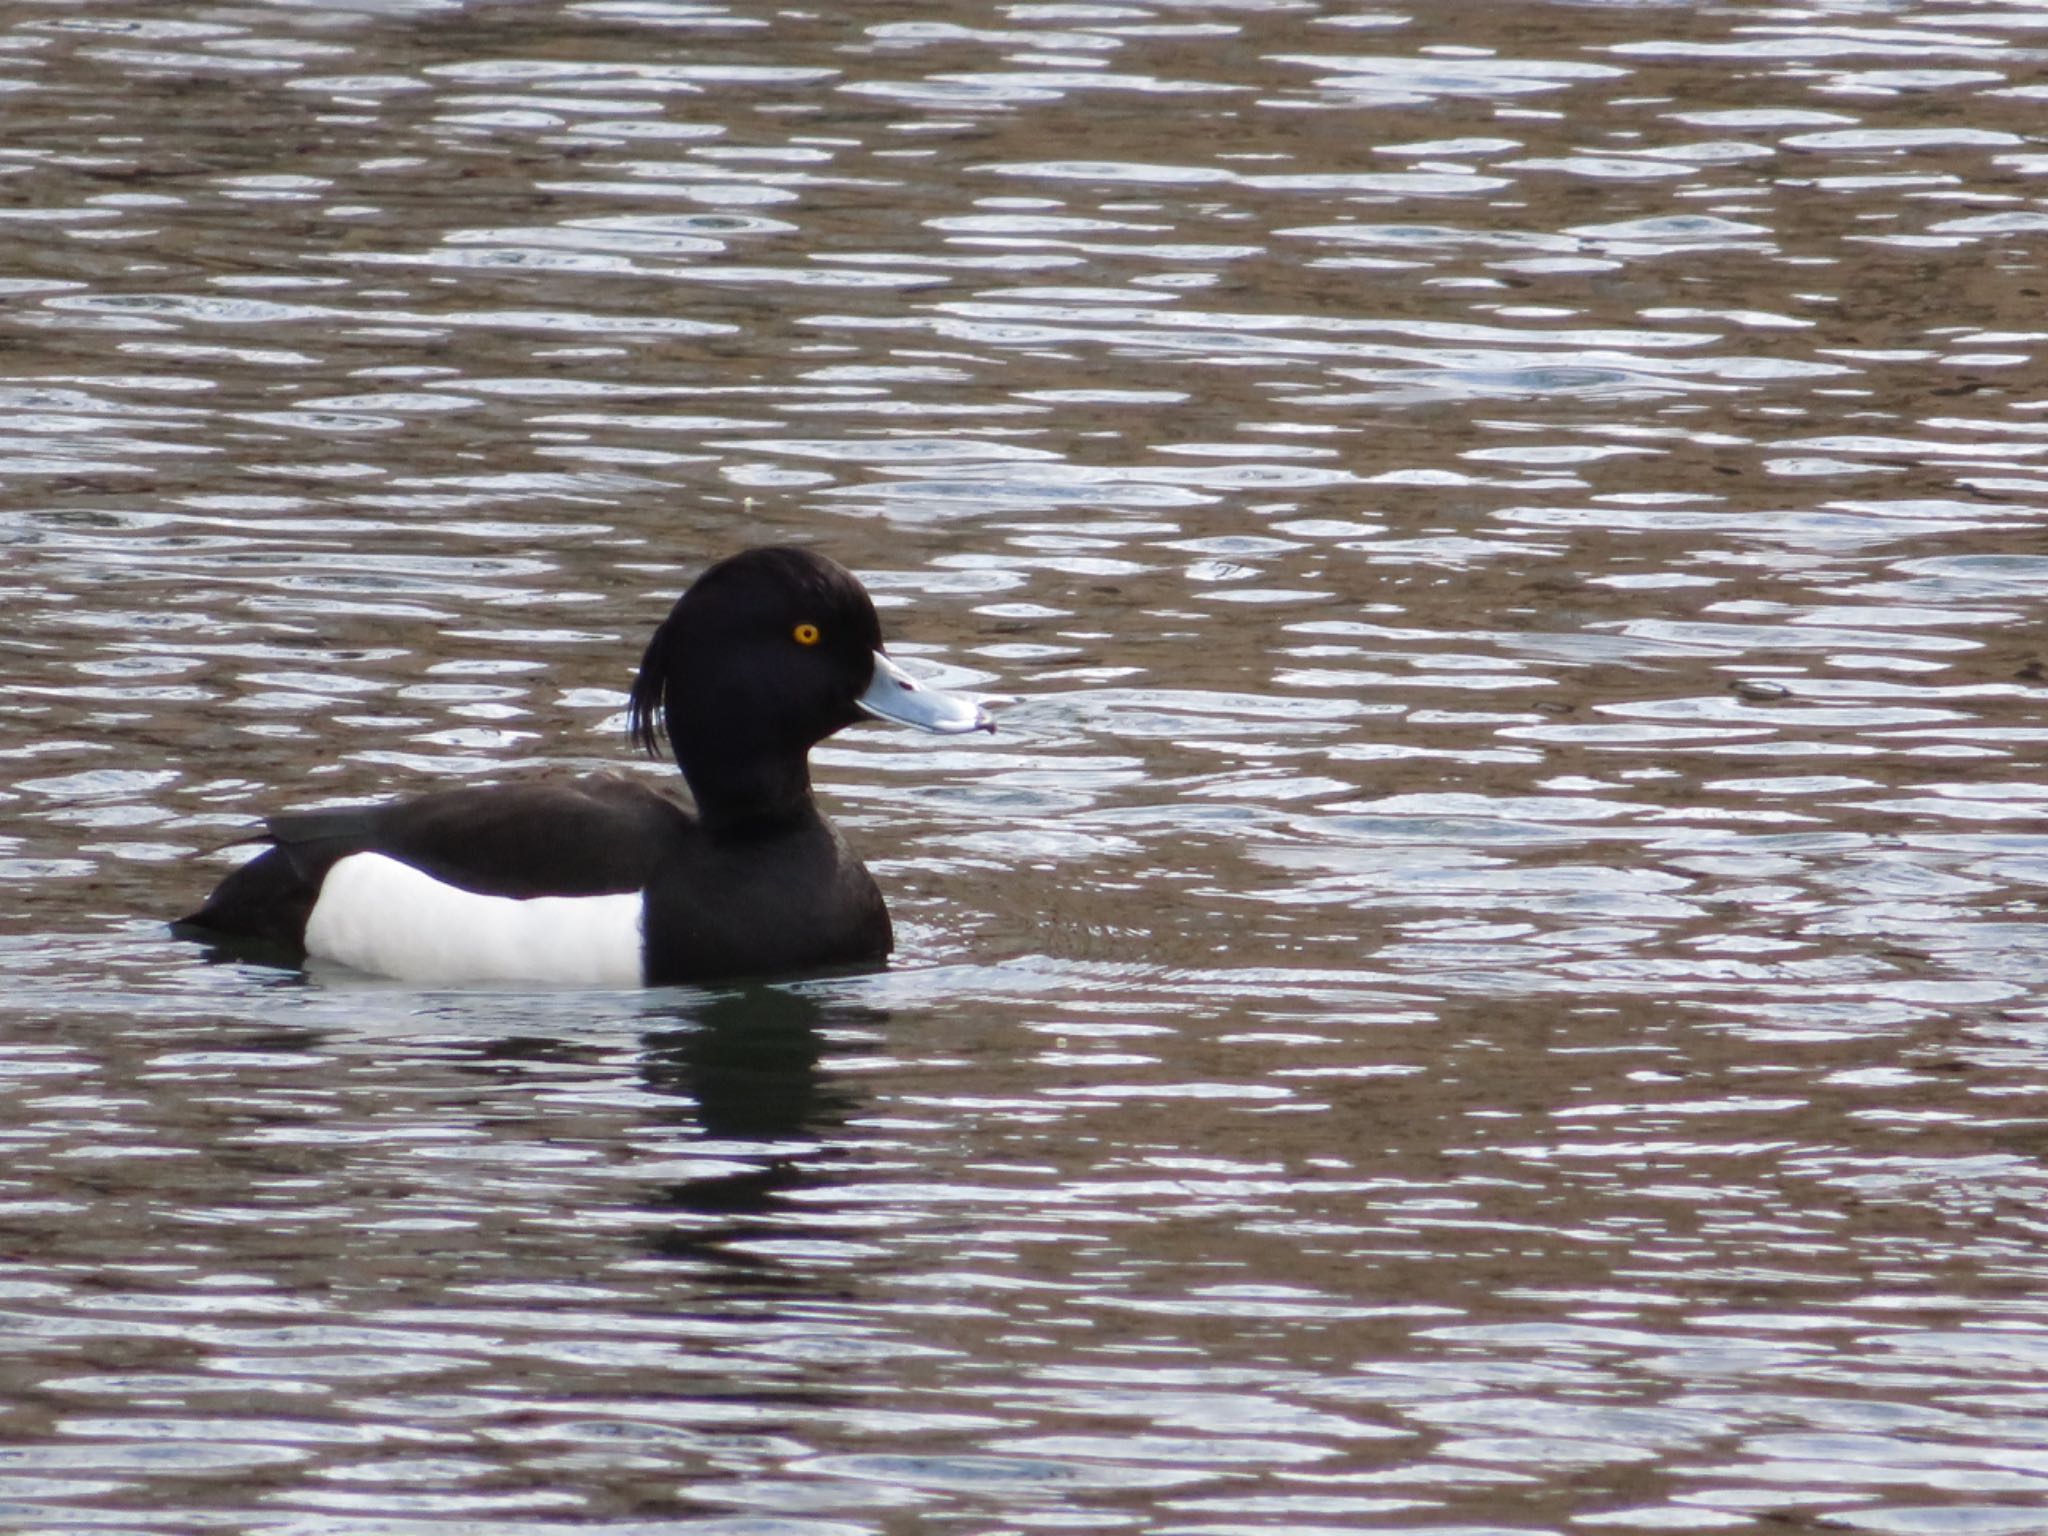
(1491, 980)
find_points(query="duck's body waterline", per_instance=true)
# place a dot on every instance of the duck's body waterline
(605, 882)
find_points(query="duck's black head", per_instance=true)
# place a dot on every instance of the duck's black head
(768, 653)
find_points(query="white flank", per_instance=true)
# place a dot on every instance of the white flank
(381, 916)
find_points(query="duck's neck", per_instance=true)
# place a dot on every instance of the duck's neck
(738, 796)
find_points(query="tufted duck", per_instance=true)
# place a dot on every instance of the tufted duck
(604, 881)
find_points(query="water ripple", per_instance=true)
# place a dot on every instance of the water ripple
(1488, 978)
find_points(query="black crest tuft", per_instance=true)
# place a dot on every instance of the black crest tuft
(644, 704)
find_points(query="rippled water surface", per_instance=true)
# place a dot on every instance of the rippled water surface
(1491, 980)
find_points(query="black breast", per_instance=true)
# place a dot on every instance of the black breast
(783, 899)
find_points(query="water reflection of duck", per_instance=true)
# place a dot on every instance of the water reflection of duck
(604, 881)
(751, 1064)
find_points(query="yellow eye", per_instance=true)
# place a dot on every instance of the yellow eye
(806, 634)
